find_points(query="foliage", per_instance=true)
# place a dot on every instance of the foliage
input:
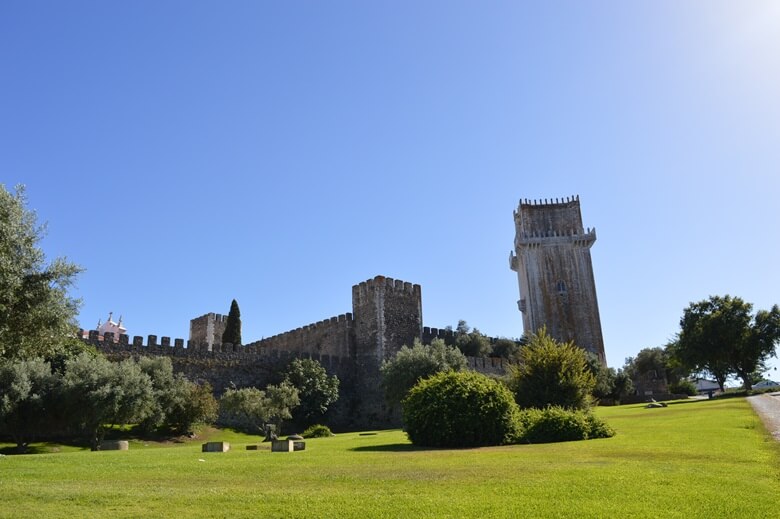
(720, 336)
(621, 386)
(97, 392)
(610, 384)
(506, 348)
(36, 314)
(472, 343)
(26, 391)
(317, 431)
(550, 373)
(252, 408)
(555, 424)
(654, 364)
(317, 390)
(178, 403)
(232, 333)
(460, 409)
(683, 387)
(194, 404)
(410, 365)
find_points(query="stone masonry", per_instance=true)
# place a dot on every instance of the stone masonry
(555, 273)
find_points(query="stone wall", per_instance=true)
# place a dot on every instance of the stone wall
(332, 337)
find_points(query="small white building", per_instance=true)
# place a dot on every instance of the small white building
(110, 327)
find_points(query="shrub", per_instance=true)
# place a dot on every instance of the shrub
(555, 424)
(460, 409)
(683, 387)
(317, 431)
(550, 373)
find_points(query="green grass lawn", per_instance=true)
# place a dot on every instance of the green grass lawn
(694, 459)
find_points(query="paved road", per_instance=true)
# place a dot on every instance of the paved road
(767, 406)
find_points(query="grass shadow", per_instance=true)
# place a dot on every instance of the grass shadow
(690, 401)
(392, 447)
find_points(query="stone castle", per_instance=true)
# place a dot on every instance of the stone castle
(386, 315)
(557, 290)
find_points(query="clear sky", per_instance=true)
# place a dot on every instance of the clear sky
(186, 153)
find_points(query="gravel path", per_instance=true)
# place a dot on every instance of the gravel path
(768, 408)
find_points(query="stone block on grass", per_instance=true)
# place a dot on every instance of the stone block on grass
(216, 447)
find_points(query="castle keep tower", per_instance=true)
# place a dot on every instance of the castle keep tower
(555, 273)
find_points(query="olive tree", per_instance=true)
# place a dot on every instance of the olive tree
(26, 398)
(410, 365)
(98, 393)
(36, 313)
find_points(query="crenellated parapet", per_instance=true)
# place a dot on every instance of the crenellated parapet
(332, 337)
(365, 291)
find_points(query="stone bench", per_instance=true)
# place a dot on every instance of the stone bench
(114, 445)
(216, 447)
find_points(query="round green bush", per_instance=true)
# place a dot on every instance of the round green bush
(317, 431)
(555, 424)
(460, 409)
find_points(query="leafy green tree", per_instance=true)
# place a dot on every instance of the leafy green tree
(190, 404)
(232, 333)
(550, 373)
(252, 408)
(26, 391)
(460, 409)
(506, 348)
(472, 342)
(317, 390)
(621, 386)
(653, 364)
(720, 336)
(410, 365)
(100, 393)
(36, 313)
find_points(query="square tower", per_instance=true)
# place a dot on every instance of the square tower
(555, 273)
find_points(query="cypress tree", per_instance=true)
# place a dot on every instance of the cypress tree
(232, 333)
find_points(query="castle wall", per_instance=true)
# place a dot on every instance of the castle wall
(332, 337)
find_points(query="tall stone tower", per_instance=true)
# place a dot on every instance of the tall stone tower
(208, 329)
(388, 315)
(555, 272)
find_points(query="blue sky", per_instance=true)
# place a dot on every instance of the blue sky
(188, 153)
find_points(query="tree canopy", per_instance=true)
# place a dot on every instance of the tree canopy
(317, 390)
(720, 336)
(410, 365)
(36, 313)
(252, 408)
(232, 333)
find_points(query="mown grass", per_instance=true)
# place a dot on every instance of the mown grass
(698, 459)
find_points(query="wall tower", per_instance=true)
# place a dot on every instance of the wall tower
(555, 272)
(208, 329)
